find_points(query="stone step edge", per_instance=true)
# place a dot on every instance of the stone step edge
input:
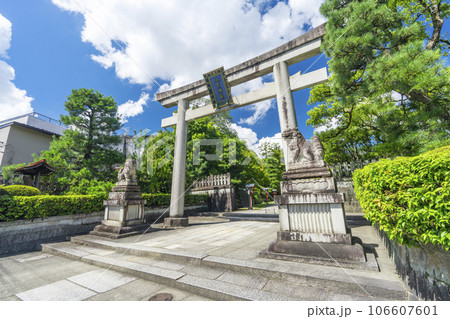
(254, 219)
(260, 215)
(374, 287)
(209, 288)
(182, 257)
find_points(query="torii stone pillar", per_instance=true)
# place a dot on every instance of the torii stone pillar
(285, 101)
(176, 218)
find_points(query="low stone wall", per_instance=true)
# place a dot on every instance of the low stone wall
(221, 199)
(425, 270)
(27, 235)
(351, 204)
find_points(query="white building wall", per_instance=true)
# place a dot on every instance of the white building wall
(23, 142)
(4, 131)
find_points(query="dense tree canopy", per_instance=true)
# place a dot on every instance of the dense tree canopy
(212, 148)
(87, 151)
(388, 94)
(273, 163)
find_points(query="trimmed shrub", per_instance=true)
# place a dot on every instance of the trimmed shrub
(19, 190)
(408, 197)
(31, 207)
(156, 199)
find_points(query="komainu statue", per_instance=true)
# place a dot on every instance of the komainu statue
(302, 153)
(127, 174)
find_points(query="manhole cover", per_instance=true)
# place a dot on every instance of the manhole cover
(161, 297)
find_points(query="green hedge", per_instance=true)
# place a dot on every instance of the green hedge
(30, 207)
(409, 197)
(19, 190)
(164, 199)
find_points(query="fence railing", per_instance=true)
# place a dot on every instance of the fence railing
(213, 181)
(343, 170)
(35, 115)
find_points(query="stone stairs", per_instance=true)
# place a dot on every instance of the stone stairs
(224, 278)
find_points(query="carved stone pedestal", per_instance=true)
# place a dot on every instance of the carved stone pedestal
(312, 218)
(313, 229)
(124, 211)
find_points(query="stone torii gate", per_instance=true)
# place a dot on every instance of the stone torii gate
(311, 214)
(276, 61)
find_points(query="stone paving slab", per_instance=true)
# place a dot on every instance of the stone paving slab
(59, 291)
(202, 271)
(296, 290)
(32, 258)
(150, 272)
(241, 279)
(47, 279)
(221, 290)
(101, 280)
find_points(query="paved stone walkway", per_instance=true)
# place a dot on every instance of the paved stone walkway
(38, 276)
(211, 259)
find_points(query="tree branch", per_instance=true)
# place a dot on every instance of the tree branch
(438, 22)
(340, 130)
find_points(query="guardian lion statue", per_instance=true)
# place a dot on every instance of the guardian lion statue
(302, 153)
(127, 173)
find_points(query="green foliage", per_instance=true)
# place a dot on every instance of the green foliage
(242, 163)
(31, 207)
(164, 199)
(86, 151)
(389, 90)
(409, 197)
(156, 199)
(9, 176)
(95, 121)
(90, 187)
(19, 190)
(273, 163)
(156, 173)
(42, 206)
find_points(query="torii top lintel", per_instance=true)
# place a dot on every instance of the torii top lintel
(301, 48)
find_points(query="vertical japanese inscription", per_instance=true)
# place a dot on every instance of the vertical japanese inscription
(218, 87)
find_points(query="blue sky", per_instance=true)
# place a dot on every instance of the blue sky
(49, 47)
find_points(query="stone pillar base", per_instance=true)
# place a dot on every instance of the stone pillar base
(175, 222)
(115, 232)
(331, 254)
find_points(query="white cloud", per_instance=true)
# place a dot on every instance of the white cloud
(251, 138)
(246, 134)
(13, 101)
(166, 44)
(132, 108)
(330, 125)
(276, 139)
(177, 41)
(5, 35)
(260, 109)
